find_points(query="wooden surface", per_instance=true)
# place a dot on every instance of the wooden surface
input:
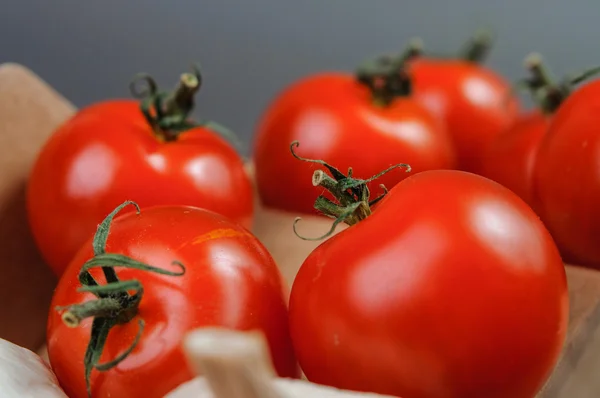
(577, 375)
(30, 110)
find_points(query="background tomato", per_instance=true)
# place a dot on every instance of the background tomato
(451, 288)
(474, 101)
(230, 281)
(510, 159)
(109, 152)
(567, 180)
(369, 121)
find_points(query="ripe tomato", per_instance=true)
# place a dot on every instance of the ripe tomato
(369, 120)
(229, 281)
(111, 151)
(510, 159)
(451, 288)
(474, 101)
(567, 182)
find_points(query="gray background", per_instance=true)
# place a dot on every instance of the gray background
(250, 49)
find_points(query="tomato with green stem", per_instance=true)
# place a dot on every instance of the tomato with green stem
(474, 101)
(450, 288)
(119, 149)
(368, 119)
(511, 158)
(566, 178)
(118, 333)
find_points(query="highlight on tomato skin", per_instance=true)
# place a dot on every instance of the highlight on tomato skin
(123, 148)
(145, 280)
(451, 279)
(368, 120)
(474, 101)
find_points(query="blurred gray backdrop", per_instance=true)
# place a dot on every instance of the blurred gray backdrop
(250, 49)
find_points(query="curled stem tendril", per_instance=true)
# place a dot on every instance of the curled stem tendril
(352, 194)
(116, 301)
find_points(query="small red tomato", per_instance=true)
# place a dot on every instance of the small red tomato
(369, 120)
(114, 150)
(451, 288)
(180, 268)
(474, 101)
(567, 181)
(510, 159)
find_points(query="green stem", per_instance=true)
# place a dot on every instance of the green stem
(546, 92)
(352, 196)
(478, 47)
(169, 113)
(104, 307)
(117, 301)
(386, 75)
(181, 99)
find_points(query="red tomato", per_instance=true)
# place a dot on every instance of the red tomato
(335, 116)
(474, 102)
(109, 152)
(567, 181)
(510, 160)
(230, 280)
(451, 288)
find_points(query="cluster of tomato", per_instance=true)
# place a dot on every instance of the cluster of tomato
(450, 284)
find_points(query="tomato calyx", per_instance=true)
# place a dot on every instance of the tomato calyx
(168, 113)
(114, 305)
(478, 47)
(475, 50)
(546, 92)
(351, 194)
(385, 75)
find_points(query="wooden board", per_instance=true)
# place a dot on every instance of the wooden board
(30, 110)
(577, 375)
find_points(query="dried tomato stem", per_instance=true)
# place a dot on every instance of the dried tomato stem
(104, 307)
(385, 75)
(478, 47)
(546, 92)
(352, 194)
(117, 301)
(181, 100)
(169, 113)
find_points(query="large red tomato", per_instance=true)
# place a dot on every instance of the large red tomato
(368, 120)
(451, 288)
(567, 177)
(112, 150)
(208, 271)
(474, 101)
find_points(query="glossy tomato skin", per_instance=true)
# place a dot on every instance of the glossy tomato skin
(474, 102)
(230, 281)
(106, 154)
(334, 118)
(452, 288)
(567, 178)
(510, 159)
